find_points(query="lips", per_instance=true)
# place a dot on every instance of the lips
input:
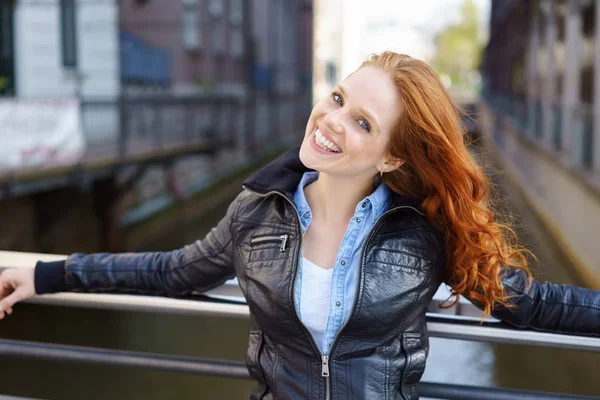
(319, 147)
(328, 137)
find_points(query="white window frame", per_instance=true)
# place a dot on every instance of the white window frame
(190, 25)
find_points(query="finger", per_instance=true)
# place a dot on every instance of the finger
(6, 314)
(3, 289)
(6, 286)
(10, 300)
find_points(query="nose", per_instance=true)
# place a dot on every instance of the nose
(333, 121)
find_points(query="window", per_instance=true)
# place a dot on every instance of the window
(219, 37)
(216, 8)
(7, 59)
(190, 28)
(68, 26)
(331, 73)
(236, 12)
(236, 46)
(6, 31)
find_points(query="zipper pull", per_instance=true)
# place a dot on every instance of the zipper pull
(284, 239)
(325, 366)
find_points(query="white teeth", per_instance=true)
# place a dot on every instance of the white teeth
(324, 143)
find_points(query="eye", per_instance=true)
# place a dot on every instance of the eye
(365, 125)
(337, 98)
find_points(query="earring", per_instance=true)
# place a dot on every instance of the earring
(381, 172)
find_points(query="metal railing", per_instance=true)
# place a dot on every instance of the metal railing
(131, 128)
(572, 150)
(144, 128)
(460, 322)
(581, 133)
(234, 369)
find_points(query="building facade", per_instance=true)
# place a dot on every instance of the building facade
(202, 43)
(59, 48)
(219, 45)
(97, 48)
(540, 109)
(148, 74)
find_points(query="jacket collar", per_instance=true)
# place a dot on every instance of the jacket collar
(281, 175)
(285, 172)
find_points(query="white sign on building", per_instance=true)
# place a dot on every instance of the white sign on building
(40, 133)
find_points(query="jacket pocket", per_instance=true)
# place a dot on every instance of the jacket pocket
(267, 247)
(255, 345)
(415, 355)
(400, 260)
(268, 241)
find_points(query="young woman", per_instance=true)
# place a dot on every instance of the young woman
(339, 246)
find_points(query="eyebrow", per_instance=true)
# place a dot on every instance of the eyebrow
(361, 110)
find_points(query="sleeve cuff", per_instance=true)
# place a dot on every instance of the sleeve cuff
(50, 277)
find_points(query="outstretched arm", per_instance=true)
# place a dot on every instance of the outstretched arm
(549, 307)
(199, 266)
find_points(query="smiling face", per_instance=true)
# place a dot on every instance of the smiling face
(348, 133)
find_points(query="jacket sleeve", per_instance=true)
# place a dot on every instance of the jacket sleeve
(549, 307)
(199, 266)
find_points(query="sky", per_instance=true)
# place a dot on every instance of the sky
(430, 15)
(407, 26)
(402, 26)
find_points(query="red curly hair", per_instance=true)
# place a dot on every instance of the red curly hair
(439, 169)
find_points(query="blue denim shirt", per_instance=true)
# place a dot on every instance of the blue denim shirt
(345, 270)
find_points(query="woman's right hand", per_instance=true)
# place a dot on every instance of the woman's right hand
(16, 284)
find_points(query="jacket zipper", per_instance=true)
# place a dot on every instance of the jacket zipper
(325, 374)
(325, 357)
(361, 267)
(282, 238)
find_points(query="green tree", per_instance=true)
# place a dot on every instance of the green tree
(459, 47)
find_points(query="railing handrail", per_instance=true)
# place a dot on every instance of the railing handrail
(226, 301)
(233, 369)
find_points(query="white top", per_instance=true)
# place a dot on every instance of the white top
(314, 307)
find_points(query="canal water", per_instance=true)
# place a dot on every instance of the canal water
(450, 361)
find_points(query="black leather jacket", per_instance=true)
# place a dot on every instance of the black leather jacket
(380, 352)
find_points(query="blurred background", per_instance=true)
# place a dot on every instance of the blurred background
(129, 126)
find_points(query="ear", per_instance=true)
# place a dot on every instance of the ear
(391, 164)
